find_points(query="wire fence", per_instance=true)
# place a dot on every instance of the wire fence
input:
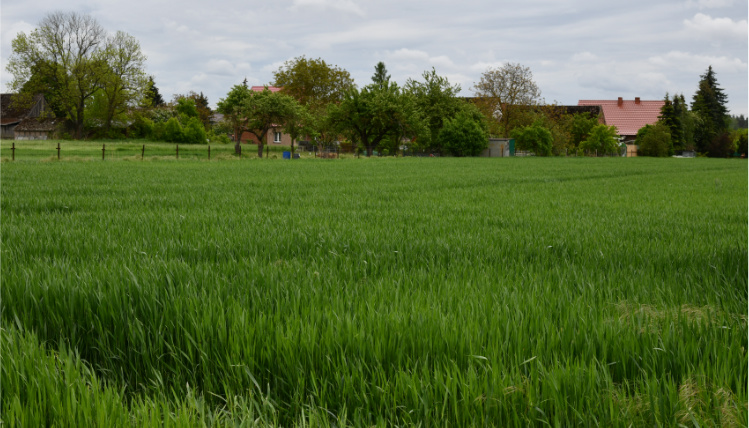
(14, 150)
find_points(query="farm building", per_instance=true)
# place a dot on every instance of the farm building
(628, 116)
(22, 120)
(499, 147)
(36, 128)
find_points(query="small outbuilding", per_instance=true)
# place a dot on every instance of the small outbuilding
(499, 147)
(24, 118)
(36, 128)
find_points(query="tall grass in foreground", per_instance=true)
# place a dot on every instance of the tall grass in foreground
(449, 292)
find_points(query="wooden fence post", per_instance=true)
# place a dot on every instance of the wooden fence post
(142, 152)
(13, 151)
(177, 151)
(58, 151)
(209, 152)
(103, 148)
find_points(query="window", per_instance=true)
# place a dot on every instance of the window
(276, 137)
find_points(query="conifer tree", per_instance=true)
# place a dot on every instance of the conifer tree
(670, 117)
(381, 76)
(709, 104)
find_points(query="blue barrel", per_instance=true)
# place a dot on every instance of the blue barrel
(287, 155)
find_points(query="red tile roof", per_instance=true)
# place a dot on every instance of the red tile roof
(628, 117)
(260, 88)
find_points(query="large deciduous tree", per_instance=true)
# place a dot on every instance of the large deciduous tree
(502, 91)
(369, 115)
(71, 58)
(313, 82)
(125, 83)
(231, 108)
(437, 100)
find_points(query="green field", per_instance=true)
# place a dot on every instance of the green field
(433, 292)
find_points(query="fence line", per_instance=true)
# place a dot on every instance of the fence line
(117, 152)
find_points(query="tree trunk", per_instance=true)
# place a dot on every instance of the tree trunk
(260, 150)
(79, 122)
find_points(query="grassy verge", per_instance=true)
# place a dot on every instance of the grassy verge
(46, 150)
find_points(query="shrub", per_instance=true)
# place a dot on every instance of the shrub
(463, 136)
(721, 146)
(534, 138)
(217, 138)
(173, 131)
(194, 132)
(654, 140)
(602, 139)
(740, 140)
(142, 127)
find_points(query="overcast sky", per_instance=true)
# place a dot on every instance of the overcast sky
(582, 49)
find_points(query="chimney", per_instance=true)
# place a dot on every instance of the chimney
(620, 101)
(637, 100)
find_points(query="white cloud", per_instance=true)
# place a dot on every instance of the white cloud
(584, 57)
(482, 66)
(442, 61)
(696, 63)
(347, 6)
(226, 68)
(270, 68)
(408, 55)
(710, 4)
(716, 27)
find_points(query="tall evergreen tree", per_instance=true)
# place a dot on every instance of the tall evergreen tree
(671, 118)
(381, 76)
(152, 94)
(709, 104)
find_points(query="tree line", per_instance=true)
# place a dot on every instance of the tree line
(97, 81)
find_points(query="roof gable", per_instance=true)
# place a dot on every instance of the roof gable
(261, 88)
(628, 116)
(14, 112)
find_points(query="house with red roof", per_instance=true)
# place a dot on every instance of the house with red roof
(628, 116)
